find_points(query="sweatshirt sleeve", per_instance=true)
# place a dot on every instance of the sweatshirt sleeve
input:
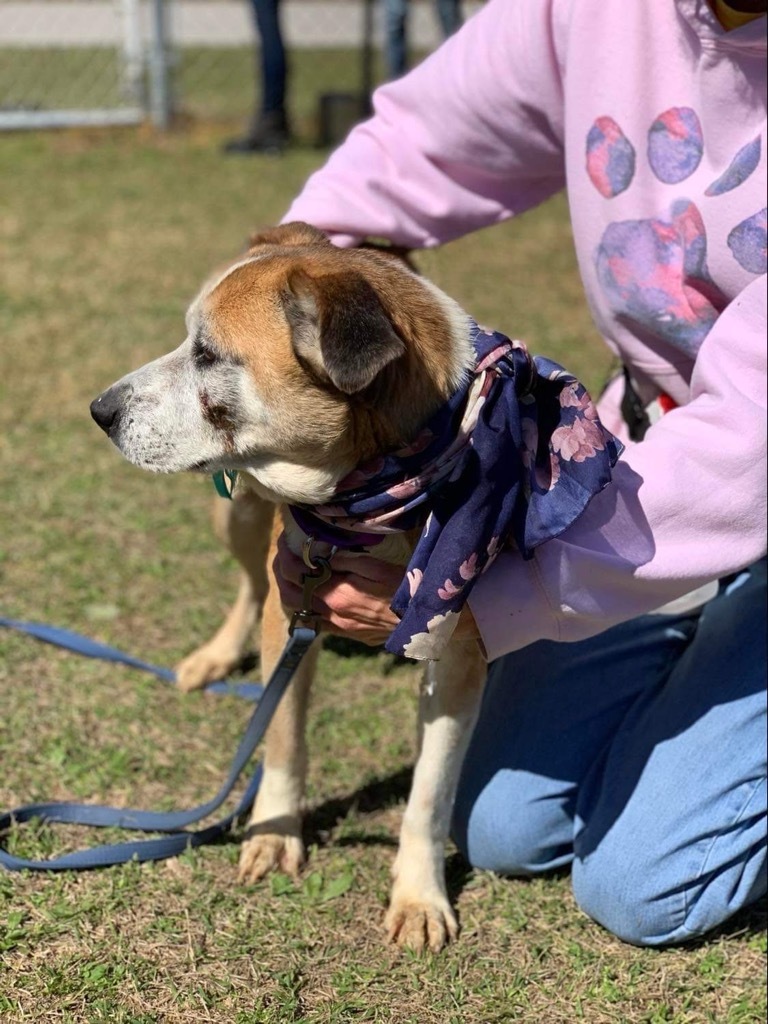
(434, 163)
(687, 506)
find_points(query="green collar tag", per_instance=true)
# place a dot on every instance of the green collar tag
(224, 482)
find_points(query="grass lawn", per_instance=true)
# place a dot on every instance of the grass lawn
(104, 239)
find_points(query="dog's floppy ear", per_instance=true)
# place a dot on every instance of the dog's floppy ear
(340, 328)
(294, 233)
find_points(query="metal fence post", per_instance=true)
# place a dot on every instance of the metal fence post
(160, 102)
(132, 65)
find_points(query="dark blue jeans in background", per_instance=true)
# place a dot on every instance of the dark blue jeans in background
(395, 18)
(272, 59)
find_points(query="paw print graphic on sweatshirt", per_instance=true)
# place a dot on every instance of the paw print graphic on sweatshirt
(654, 270)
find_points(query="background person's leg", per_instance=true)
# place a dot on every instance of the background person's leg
(395, 48)
(449, 16)
(269, 131)
(274, 65)
(548, 714)
(671, 839)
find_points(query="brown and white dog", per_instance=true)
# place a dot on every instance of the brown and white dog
(302, 361)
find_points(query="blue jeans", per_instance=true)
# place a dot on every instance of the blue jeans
(639, 758)
(395, 18)
(274, 66)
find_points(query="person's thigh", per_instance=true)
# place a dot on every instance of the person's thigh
(548, 713)
(671, 821)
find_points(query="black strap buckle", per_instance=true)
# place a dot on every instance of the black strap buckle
(633, 410)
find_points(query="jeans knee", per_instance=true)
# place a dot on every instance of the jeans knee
(623, 899)
(620, 900)
(657, 894)
(505, 829)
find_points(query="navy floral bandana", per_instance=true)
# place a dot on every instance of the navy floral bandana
(513, 458)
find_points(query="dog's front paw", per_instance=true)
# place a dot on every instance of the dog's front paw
(207, 664)
(264, 852)
(421, 923)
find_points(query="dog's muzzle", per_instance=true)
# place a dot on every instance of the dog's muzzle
(108, 407)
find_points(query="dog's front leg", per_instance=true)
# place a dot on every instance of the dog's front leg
(419, 913)
(245, 525)
(273, 838)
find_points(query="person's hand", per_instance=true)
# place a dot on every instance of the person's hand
(355, 601)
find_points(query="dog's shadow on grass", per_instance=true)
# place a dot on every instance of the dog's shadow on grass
(377, 795)
(341, 646)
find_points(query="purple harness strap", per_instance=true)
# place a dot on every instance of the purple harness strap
(315, 527)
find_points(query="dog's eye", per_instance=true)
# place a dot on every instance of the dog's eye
(204, 357)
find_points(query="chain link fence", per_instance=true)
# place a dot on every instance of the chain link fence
(68, 62)
(122, 61)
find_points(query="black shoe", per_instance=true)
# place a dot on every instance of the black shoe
(270, 134)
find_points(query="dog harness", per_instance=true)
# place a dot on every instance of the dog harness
(513, 457)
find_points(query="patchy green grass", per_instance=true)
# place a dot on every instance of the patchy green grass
(106, 239)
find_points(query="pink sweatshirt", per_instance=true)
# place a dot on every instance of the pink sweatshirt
(653, 119)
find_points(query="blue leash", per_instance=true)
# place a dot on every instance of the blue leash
(91, 649)
(174, 822)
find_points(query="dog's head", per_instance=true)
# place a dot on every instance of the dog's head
(301, 360)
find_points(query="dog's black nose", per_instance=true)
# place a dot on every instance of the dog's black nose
(107, 407)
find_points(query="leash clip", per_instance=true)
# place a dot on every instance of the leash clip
(319, 572)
